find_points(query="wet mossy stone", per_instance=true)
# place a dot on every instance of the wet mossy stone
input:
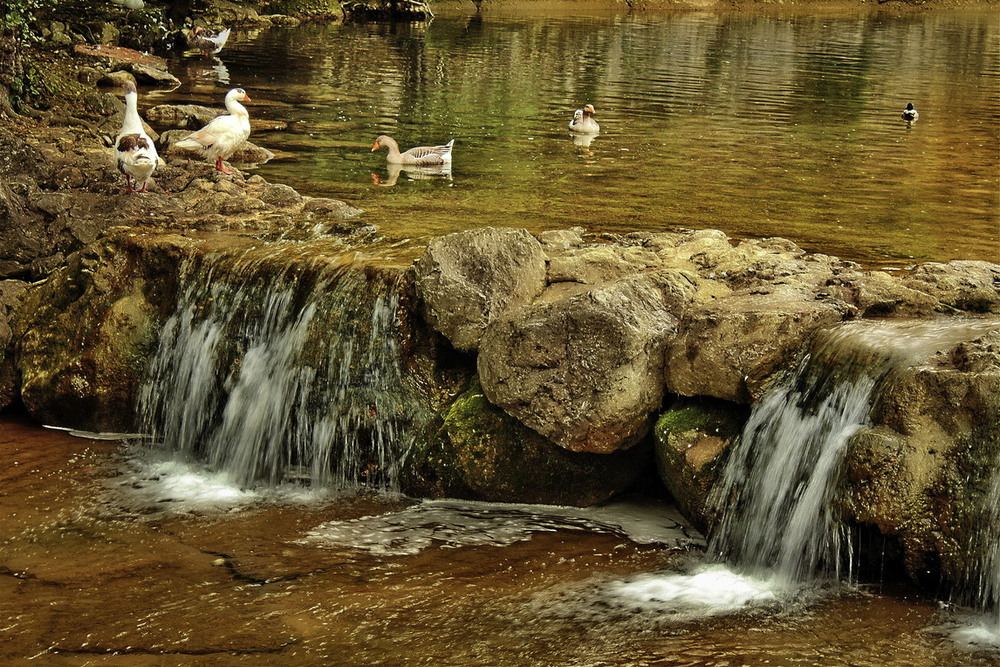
(492, 456)
(691, 439)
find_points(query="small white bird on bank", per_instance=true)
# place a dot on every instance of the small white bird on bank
(130, 6)
(909, 113)
(582, 122)
(224, 134)
(209, 43)
(421, 155)
(134, 149)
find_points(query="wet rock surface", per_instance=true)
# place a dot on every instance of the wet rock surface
(468, 279)
(483, 453)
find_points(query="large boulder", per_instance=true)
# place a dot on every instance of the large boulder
(961, 285)
(919, 472)
(468, 279)
(583, 365)
(483, 453)
(83, 336)
(730, 348)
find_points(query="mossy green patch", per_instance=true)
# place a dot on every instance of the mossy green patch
(483, 452)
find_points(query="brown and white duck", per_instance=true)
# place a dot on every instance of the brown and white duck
(202, 39)
(583, 123)
(421, 155)
(135, 152)
(224, 134)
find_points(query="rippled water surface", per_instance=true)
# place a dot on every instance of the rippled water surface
(759, 125)
(106, 563)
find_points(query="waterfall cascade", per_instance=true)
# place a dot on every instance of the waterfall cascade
(984, 573)
(274, 376)
(776, 495)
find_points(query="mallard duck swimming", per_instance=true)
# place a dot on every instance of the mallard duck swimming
(582, 121)
(421, 155)
(223, 135)
(134, 149)
(200, 39)
(909, 113)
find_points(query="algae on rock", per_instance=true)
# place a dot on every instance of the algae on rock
(483, 452)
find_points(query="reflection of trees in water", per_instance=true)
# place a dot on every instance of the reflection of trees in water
(794, 120)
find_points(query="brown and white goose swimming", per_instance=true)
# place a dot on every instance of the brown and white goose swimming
(421, 155)
(209, 43)
(134, 150)
(582, 122)
(224, 134)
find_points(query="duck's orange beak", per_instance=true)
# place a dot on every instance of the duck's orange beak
(246, 98)
(376, 146)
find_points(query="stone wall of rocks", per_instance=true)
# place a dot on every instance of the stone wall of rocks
(563, 367)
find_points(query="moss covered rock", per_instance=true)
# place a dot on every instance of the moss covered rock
(484, 453)
(691, 440)
(83, 338)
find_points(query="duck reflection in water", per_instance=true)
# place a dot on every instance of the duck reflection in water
(413, 173)
(202, 70)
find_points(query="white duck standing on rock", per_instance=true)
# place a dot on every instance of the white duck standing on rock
(583, 123)
(134, 149)
(421, 155)
(202, 39)
(224, 134)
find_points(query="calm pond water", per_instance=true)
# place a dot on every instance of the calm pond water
(759, 125)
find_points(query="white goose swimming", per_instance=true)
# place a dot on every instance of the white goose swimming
(134, 149)
(582, 122)
(421, 155)
(223, 135)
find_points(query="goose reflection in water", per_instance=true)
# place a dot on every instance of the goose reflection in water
(413, 173)
(206, 70)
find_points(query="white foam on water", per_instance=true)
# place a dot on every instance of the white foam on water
(981, 633)
(150, 485)
(707, 591)
(650, 600)
(460, 523)
(972, 631)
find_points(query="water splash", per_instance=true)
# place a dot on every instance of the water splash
(276, 375)
(982, 628)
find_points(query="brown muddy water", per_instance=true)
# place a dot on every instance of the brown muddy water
(758, 124)
(96, 571)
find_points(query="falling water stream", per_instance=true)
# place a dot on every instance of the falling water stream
(775, 496)
(779, 539)
(280, 376)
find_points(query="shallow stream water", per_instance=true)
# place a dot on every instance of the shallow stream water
(759, 124)
(103, 564)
